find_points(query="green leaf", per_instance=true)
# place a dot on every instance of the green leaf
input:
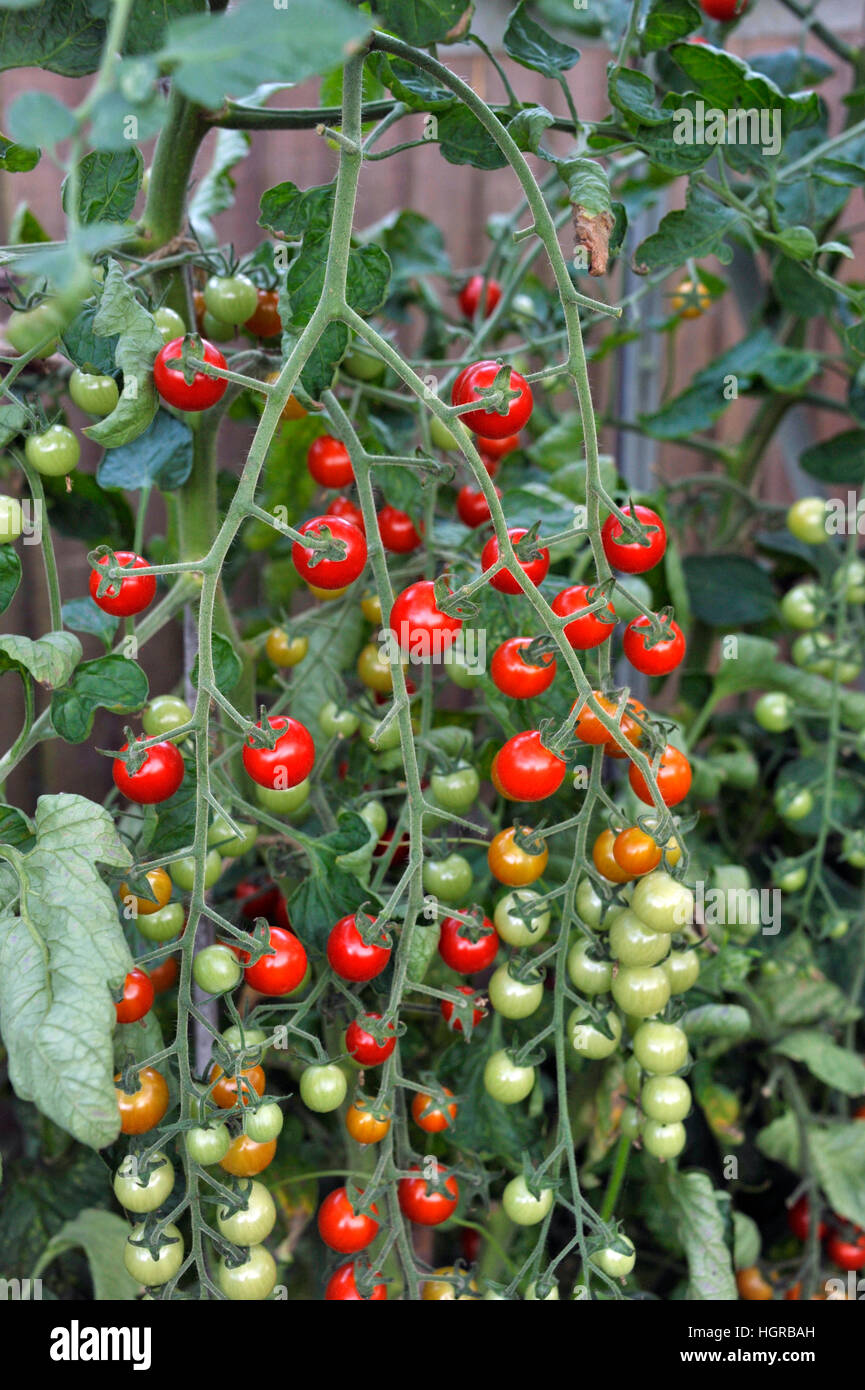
(528, 126)
(214, 192)
(83, 615)
(699, 1212)
(102, 1236)
(419, 22)
(747, 1242)
(840, 459)
(10, 575)
(58, 35)
(463, 140)
(321, 364)
(175, 829)
(13, 420)
(418, 89)
(229, 54)
(40, 119)
(227, 665)
(108, 185)
(25, 228)
(325, 895)
(89, 513)
(633, 93)
(110, 682)
(423, 946)
(292, 211)
(139, 340)
(727, 83)
(836, 1066)
(698, 230)
(50, 660)
(799, 243)
(791, 69)
(527, 43)
(85, 348)
(61, 959)
(588, 184)
(729, 1021)
(802, 1001)
(728, 590)
(667, 21)
(798, 290)
(484, 1126)
(160, 457)
(367, 283)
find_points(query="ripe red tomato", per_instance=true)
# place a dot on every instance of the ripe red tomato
(265, 321)
(847, 1254)
(674, 778)
(330, 574)
(452, 1019)
(288, 762)
(426, 1207)
(362, 1045)
(491, 424)
(280, 973)
(129, 596)
(457, 949)
(199, 394)
(345, 508)
(156, 780)
(328, 462)
(511, 674)
(491, 450)
(527, 771)
(437, 1119)
(419, 624)
(164, 974)
(658, 660)
(589, 629)
(138, 995)
(723, 10)
(351, 957)
(341, 1287)
(630, 556)
(257, 899)
(504, 581)
(799, 1219)
(478, 291)
(473, 509)
(343, 1228)
(397, 531)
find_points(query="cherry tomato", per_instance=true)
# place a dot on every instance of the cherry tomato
(589, 728)
(492, 424)
(183, 871)
(799, 1219)
(633, 943)
(342, 1228)
(341, 1287)
(160, 886)
(397, 531)
(374, 669)
(473, 509)
(452, 1018)
(163, 715)
(351, 957)
(774, 711)
(456, 790)
(491, 450)
(206, 1144)
(244, 1157)
(431, 1117)
(522, 1207)
(514, 998)
(419, 624)
(216, 969)
(424, 1206)
(148, 1269)
(225, 1091)
(519, 920)
(589, 972)
(364, 1126)
(527, 771)
(265, 321)
(665, 1098)
(636, 852)
(723, 10)
(505, 1080)
(164, 975)
(288, 763)
(251, 1223)
(656, 660)
(534, 569)
(588, 629)
(138, 995)
(27, 328)
(673, 777)
(631, 556)
(143, 1189)
(362, 1045)
(156, 780)
(200, 393)
(682, 969)
(616, 1263)
(141, 1110)
(231, 298)
(253, 1279)
(460, 952)
(442, 1290)
(449, 879)
(662, 903)
(660, 1048)
(330, 574)
(328, 462)
(53, 453)
(11, 520)
(512, 864)
(641, 990)
(284, 650)
(343, 507)
(847, 1254)
(749, 1281)
(478, 292)
(586, 1038)
(513, 676)
(264, 1122)
(124, 598)
(93, 392)
(281, 972)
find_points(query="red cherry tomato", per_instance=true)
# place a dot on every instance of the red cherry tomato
(658, 660)
(473, 509)
(330, 574)
(129, 596)
(504, 581)
(265, 322)
(491, 424)
(458, 951)
(280, 973)
(847, 1254)
(479, 292)
(723, 10)
(343, 1228)
(526, 770)
(138, 994)
(426, 1207)
(450, 1016)
(589, 629)
(512, 676)
(345, 508)
(362, 1045)
(438, 1118)
(351, 957)
(199, 394)
(256, 900)
(630, 556)
(342, 1288)
(419, 624)
(674, 778)
(397, 531)
(491, 450)
(164, 974)
(156, 780)
(288, 762)
(799, 1220)
(328, 462)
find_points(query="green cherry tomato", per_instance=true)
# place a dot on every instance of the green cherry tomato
(666, 1099)
(182, 871)
(163, 924)
(532, 1295)
(633, 943)
(790, 878)
(850, 579)
(806, 520)
(163, 715)
(440, 435)
(283, 800)
(681, 969)
(11, 520)
(91, 391)
(449, 879)
(662, 903)
(629, 588)
(216, 970)
(169, 323)
(660, 1048)
(793, 803)
(455, 791)
(217, 330)
(509, 914)
(853, 849)
(146, 1192)
(513, 998)
(590, 905)
(505, 1081)
(323, 1088)
(589, 973)
(251, 1223)
(663, 1140)
(630, 1123)
(815, 651)
(802, 606)
(633, 1076)
(587, 1040)
(363, 366)
(207, 1144)
(231, 846)
(264, 1122)
(521, 1207)
(141, 1265)
(27, 328)
(375, 815)
(774, 711)
(615, 1263)
(231, 298)
(244, 1039)
(337, 723)
(53, 453)
(381, 740)
(254, 1279)
(641, 990)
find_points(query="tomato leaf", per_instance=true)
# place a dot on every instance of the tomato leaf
(10, 576)
(700, 1214)
(50, 660)
(60, 35)
(463, 140)
(838, 1067)
(227, 665)
(17, 159)
(214, 192)
(83, 615)
(160, 457)
(527, 43)
(840, 459)
(102, 1236)
(667, 21)
(86, 349)
(108, 185)
(729, 1021)
(697, 230)
(836, 1152)
(109, 682)
(746, 594)
(139, 340)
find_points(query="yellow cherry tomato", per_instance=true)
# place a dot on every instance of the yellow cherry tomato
(690, 301)
(284, 650)
(370, 606)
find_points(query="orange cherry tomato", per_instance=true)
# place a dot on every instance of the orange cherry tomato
(436, 1119)
(635, 852)
(160, 885)
(144, 1108)
(752, 1286)
(164, 974)
(605, 861)
(224, 1093)
(512, 864)
(364, 1126)
(245, 1158)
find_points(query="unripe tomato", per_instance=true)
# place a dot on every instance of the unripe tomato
(164, 714)
(633, 943)
(254, 1279)
(691, 298)
(641, 990)
(374, 668)
(146, 1269)
(141, 1189)
(514, 998)
(284, 801)
(231, 846)
(251, 1223)
(11, 520)
(802, 606)
(660, 1048)
(590, 905)
(283, 650)
(682, 969)
(663, 1140)
(207, 1144)
(449, 879)
(586, 1038)
(169, 323)
(515, 920)
(162, 925)
(264, 1122)
(183, 871)
(93, 392)
(664, 904)
(27, 328)
(441, 1290)
(216, 969)
(806, 519)
(666, 1099)
(522, 1207)
(774, 711)
(323, 1087)
(588, 972)
(231, 298)
(53, 453)
(616, 1263)
(244, 1157)
(363, 365)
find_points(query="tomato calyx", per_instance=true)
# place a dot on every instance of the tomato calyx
(371, 931)
(190, 361)
(495, 399)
